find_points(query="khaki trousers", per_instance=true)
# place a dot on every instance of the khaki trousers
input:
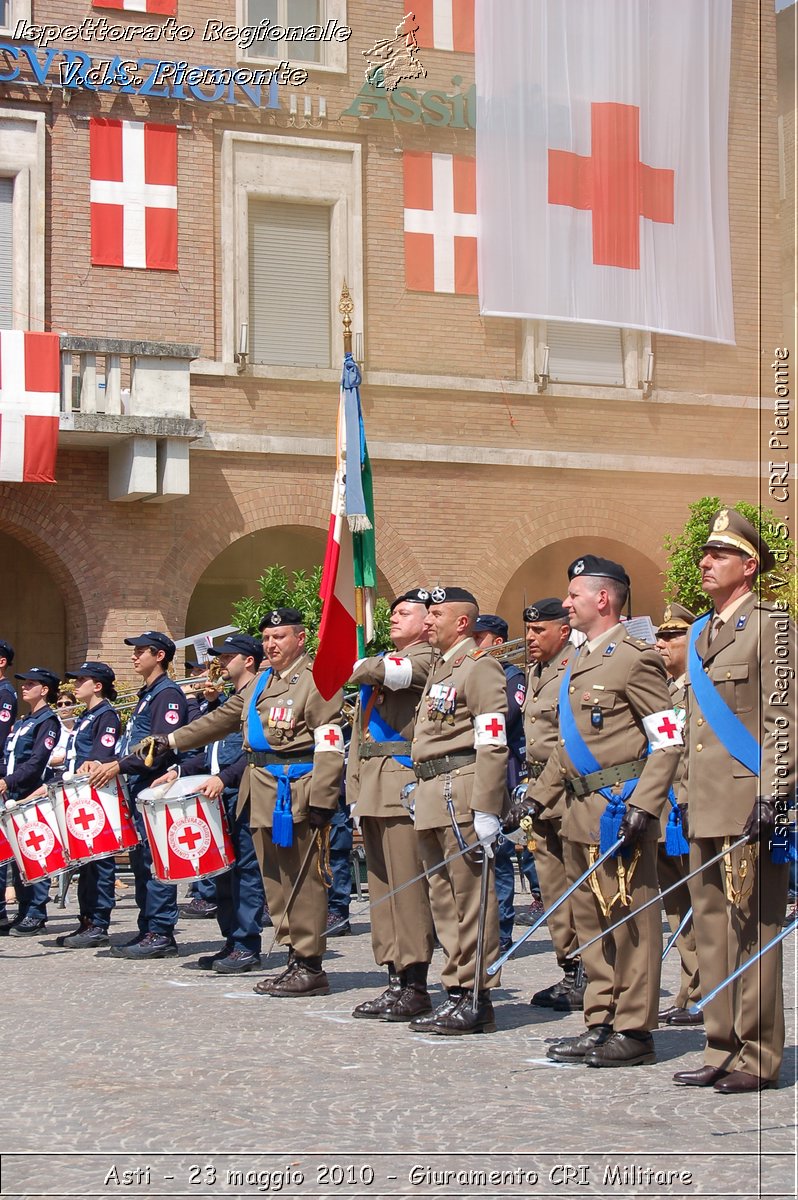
(670, 869)
(305, 923)
(745, 1022)
(401, 928)
(623, 969)
(550, 863)
(454, 899)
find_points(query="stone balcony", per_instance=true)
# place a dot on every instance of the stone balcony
(132, 399)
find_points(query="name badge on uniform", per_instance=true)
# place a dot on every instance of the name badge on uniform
(741, 622)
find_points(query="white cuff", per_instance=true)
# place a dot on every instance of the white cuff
(170, 737)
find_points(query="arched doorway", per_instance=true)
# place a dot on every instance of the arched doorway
(545, 574)
(235, 572)
(33, 612)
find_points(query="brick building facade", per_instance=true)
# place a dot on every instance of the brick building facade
(185, 472)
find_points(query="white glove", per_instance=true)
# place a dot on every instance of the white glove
(487, 827)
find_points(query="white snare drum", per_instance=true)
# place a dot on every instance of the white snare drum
(188, 834)
(35, 839)
(6, 853)
(94, 822)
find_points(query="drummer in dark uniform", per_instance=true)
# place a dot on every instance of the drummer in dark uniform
(93, 739)
(28, 750)
(161, 708)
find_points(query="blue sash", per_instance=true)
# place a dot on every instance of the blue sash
(581, 756)
(379, 728)
(726, 726)
(283, 820)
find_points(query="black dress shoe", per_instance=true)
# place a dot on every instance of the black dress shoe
(464, 1018)
(237, 962)
(703, 1077)
(739, 1082)
(683, 1016)
(576, 1049)
(667, 1013)
(27, 927)
(623, 1050)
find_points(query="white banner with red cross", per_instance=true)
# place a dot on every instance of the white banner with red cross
(602, 131)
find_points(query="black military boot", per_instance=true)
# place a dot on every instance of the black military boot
(424, 1024)
(414, 999)
(465, 1018)
(547, 997)
(572, 997)
(374, 1009)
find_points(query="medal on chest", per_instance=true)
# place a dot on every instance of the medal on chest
(280, 722)
(441, 703)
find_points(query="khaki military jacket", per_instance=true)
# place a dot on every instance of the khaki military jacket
(468, 687)
(374, 784)
(541, 726)
(290, 709)
(750, 661)
(622, 682)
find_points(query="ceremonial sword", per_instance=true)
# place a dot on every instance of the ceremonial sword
(699, 1004)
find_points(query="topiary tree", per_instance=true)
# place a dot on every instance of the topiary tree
(301, 591)
(683, 578)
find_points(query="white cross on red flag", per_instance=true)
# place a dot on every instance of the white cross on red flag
(440, 220)
(602, 163)
(166, 8)
(133, 194)
(445, 24)
(29, 405)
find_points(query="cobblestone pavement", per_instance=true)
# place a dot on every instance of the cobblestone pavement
(196, 1086)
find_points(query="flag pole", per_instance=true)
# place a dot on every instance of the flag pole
(346, 306)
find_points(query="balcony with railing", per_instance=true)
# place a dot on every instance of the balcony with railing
(131, 398)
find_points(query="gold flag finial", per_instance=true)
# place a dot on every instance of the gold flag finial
(346, 306)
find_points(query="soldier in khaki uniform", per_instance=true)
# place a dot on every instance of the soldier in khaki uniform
(548, 633)
(747, 653)
(295, 753)
(672, 645)
(379, 768)
(460, 760)
(615, 713)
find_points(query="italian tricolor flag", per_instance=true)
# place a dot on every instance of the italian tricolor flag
(349, 576)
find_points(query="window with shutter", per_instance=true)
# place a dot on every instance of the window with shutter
(584, 353)
(6, 263)
(289, 283)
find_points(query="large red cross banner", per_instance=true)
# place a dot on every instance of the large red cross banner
(133, 194)
(602, 146)
(29, 403)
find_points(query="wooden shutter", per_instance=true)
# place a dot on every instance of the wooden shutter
(289, 283)
(6, 272)
(584, 353)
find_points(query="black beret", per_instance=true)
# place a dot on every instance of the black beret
(550, 609)
(6, 651)
(414, 596)
(451, 595)
(604, 568)
(281, 616)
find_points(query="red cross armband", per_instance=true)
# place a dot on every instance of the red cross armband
(398, 672)
(663, 729)
(328, 737)
(490, 729)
